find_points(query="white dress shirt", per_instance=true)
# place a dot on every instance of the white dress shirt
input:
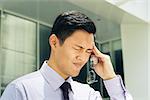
(45, 83)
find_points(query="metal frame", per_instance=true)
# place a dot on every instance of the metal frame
(38, 46)
(0, 50)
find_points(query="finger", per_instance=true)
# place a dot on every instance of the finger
(97, 52)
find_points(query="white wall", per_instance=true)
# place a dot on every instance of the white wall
(138, 8)
(135, 55)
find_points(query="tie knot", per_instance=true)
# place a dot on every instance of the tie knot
(65, 86)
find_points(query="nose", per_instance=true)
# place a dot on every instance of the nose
(79, 58)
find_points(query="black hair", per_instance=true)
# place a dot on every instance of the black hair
(68, 22)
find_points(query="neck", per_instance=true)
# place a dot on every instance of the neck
(51, 63)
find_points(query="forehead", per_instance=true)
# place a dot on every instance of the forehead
(81, 37)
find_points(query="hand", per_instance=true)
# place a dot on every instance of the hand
(104, 66)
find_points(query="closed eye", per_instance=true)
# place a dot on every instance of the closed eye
(77, 48)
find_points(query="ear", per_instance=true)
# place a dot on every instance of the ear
(53, 41)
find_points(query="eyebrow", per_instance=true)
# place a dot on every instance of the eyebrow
(82, 47)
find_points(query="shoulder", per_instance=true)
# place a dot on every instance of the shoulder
(26, 79)
(16, 89)
(23, 83)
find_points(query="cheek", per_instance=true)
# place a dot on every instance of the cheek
(60, 56)
(66, 55)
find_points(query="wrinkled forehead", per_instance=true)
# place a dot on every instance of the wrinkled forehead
(82, 38)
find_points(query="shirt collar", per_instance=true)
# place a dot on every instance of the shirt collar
(52, 77)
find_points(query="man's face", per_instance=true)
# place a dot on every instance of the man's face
(74, 53)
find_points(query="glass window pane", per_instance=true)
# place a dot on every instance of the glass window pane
(44, 43)
(18, 48)
(19, 34)
(105, 47)
(116, 45)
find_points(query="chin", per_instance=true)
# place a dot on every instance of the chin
(75, 74)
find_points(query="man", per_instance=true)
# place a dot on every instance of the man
(72, 43)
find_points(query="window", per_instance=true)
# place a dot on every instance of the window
(18, 48)
(44, 43)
